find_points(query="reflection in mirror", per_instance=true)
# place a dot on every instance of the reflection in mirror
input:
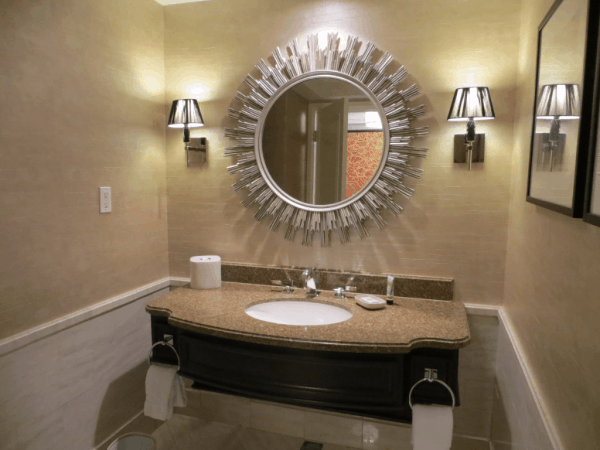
(595, 195)
(322, 140)
(556, 129)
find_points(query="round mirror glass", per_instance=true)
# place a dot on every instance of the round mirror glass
(322, 140)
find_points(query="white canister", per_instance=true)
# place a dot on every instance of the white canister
(205, 272)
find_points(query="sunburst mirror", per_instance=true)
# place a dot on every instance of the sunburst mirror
(324, 139)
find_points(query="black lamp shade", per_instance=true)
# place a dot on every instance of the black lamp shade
(471, 103)
(559, 101)
(185, 112)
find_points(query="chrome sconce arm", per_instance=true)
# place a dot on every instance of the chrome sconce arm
(470, 104)
(199, 147)
(470, 140)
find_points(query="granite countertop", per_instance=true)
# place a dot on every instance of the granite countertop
(409, 323)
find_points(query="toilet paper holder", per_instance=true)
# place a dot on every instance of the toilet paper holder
(430, 376)
(168, 345)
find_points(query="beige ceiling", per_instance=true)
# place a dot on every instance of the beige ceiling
(175, 2)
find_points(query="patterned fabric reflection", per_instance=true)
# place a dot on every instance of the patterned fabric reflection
(364, 154)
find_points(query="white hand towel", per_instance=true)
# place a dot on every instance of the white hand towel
(432, 427)
(164, 390)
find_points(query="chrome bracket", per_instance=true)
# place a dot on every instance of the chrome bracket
(199, 146)
(431, 375)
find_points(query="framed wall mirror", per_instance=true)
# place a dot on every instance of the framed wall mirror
(591, 212)
(567, 42)
(322, 141)
(324, 138)
(592, 201)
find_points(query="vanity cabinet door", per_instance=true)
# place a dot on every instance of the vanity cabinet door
(357, 382)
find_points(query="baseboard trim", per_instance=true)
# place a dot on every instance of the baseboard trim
(551, 429)
(32, 335)
(179, 281)
(482, 310)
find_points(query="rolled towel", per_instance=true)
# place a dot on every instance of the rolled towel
(164, 390)
(432, 427)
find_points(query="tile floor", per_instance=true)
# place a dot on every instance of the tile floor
(191, 433)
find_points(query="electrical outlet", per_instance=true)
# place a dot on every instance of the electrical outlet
(105, 200)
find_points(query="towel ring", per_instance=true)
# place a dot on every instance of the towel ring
(168, 345)
(430, 376)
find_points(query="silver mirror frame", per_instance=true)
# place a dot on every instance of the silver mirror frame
(382, 89)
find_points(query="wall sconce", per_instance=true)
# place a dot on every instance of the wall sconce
(186, 114)
(557, 102)
(470, 104)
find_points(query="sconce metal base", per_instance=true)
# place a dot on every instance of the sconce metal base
(196, 145)
(460, 149)
(550, 155)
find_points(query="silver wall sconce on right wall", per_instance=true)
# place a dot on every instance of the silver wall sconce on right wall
(468, 105)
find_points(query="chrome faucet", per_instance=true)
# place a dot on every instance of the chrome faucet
(306, 275)
(309, 284)
(340, 292)
(286, 284)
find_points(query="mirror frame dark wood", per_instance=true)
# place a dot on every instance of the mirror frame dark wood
(585, 126)
(588, 215)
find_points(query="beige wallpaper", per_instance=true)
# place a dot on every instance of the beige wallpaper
(455, 225)
(82, 106)
(552, 281)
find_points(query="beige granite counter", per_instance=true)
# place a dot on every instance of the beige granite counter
(408, 324)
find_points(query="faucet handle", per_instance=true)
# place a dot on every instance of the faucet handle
(287, 283)
(340, 291)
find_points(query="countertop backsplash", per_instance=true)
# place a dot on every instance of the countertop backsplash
(433, 288)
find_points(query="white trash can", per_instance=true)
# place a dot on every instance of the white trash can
(133, 441)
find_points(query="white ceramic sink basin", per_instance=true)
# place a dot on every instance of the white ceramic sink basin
(299, 312)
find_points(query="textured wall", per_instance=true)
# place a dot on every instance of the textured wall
(82, 106)
(552, 281)
(456, 223)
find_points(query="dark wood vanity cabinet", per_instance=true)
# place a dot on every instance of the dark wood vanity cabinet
(365, 384)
